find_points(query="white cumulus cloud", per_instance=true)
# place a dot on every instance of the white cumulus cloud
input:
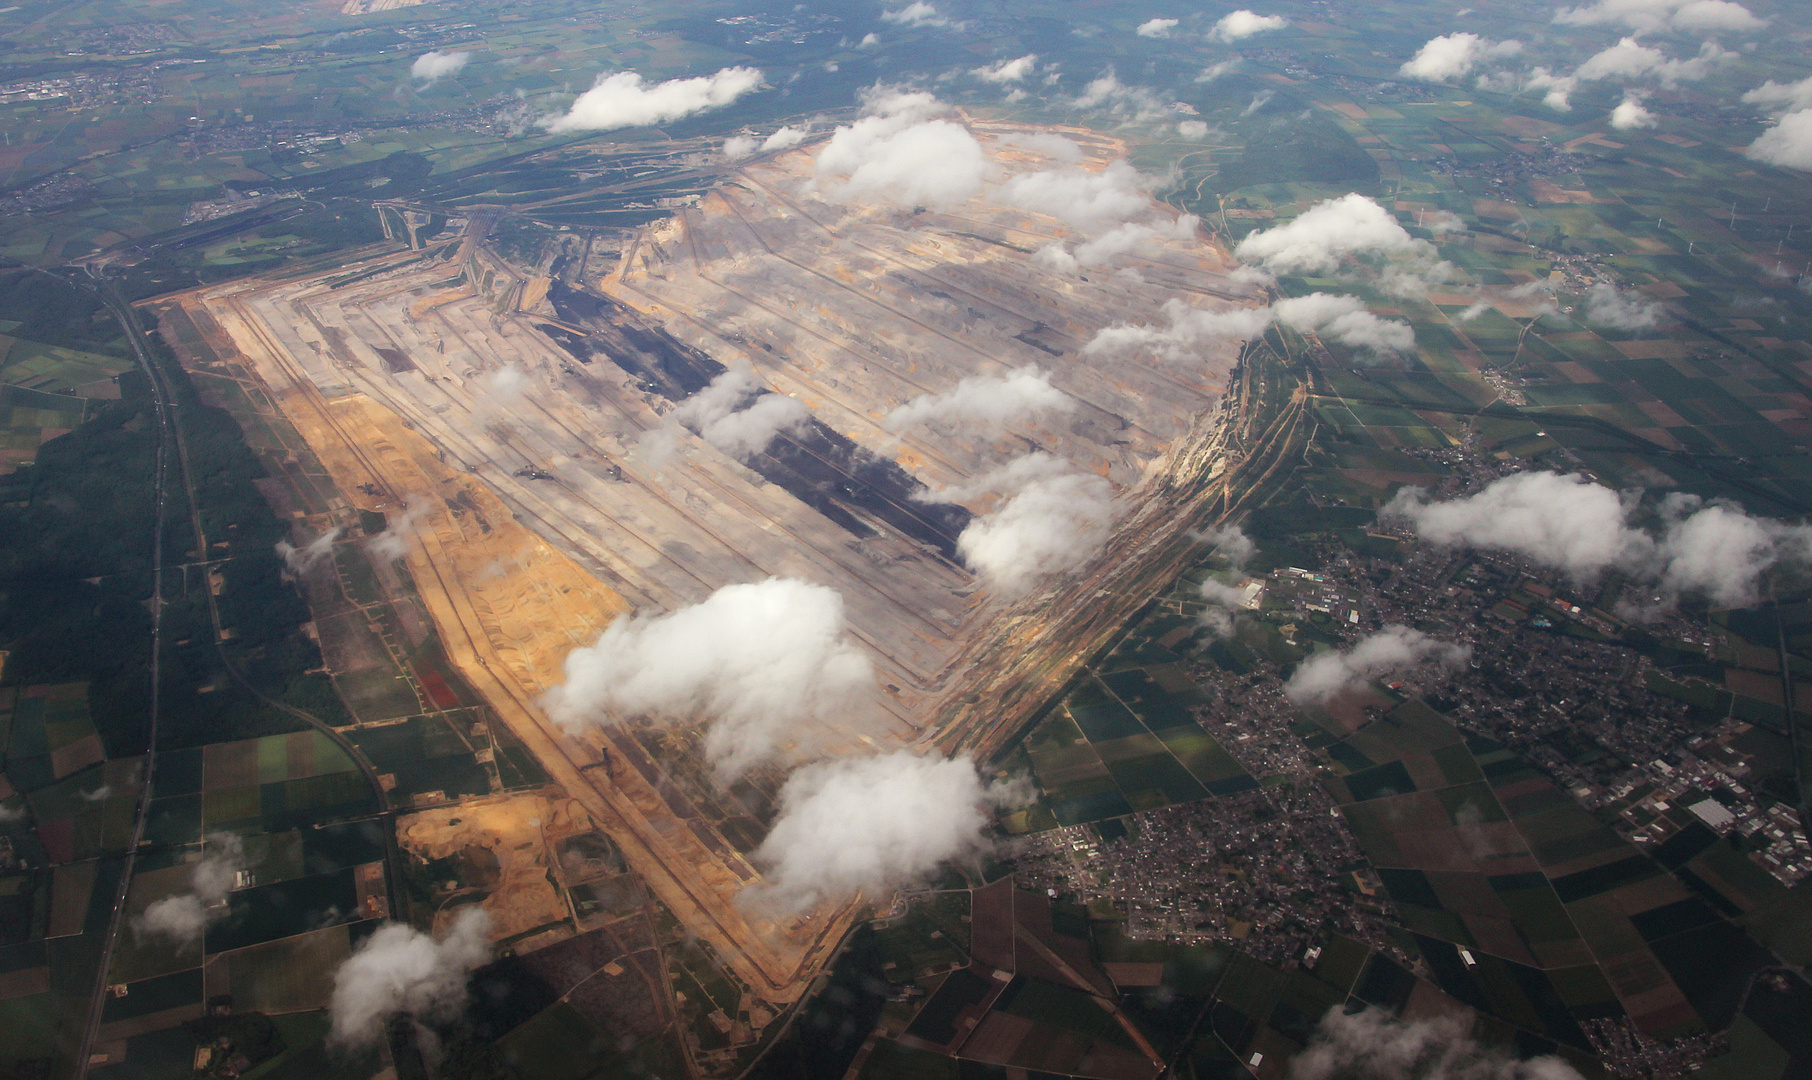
(1341, 318)
(1107, 93)
(765, 665)
(899, 152)
(1720, 553)
(1231, 542)
(1630, 59)
(1713, 551)
(400, 969)
(1083, 199)
(1652, 16)
(1115, 241)
(1243, 24)
(1327, 675)
(1788, 143)
(1344, 319)
(1373, 1045)
(1561, 520)
(1190, 329)
(1793, 95)
(1631, 114)
(917, 13)
(1556, 89)
(738, 147)
(1452, 55)
(735, 413)
(871, 824)
(1620, 309)
(1156, 28)
(1319, 237)
(622, 99)
(1223, 600)
(1048, 143)
(1050, 519)
(431, 66)
(1008, 71)
(1442, 221)
(1213, 72)
(182, 918)
(985, 403)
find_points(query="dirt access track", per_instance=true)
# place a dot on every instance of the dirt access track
(537, 520)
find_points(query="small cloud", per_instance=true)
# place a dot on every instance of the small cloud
(1049, 519)
(1631, 114)
(300, 560)
(1788, 143)
(900, 151)
(1338, 318)
(1109, 93)
(393, 543)
(399, 969)
(433, 66)
(1089, 200)
(917, 13)
(1192, 129)
(1607, 305)
(1442, 221)
(1557, 90)
(1451, 56)
(1156, 28)
(1223, 599)
(738, 147)
(1374, 1045)
(985, 403)
(785, 138)
(764, 666)
(869, 825)
(734, 413)
(1243, 24)
(1321, 236)
(1229, 541)
(1630, 59)
(1328, 675)
(1654, 16)
(622, 100)
(1008, 71)
(183, 918)
(1712, 550)
(1048, 143)
(1793, 95)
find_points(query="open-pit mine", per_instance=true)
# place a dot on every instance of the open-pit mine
(505, 414)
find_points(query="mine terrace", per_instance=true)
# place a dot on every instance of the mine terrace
(507, 418)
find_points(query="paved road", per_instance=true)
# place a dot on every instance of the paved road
(170, 437)
(165, 433)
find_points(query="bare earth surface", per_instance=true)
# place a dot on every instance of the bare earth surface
(538, 519)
